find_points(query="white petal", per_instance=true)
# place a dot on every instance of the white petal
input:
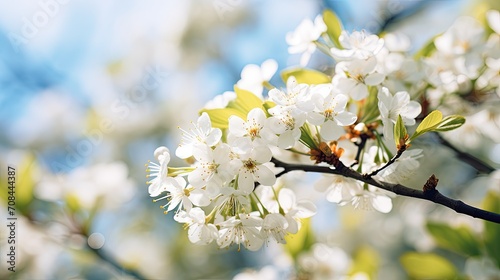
(382, 203)
(184, 151)
(494, 20)
(374, 79)
(305, 209)
(237, 126)
(213, 137)
(359, 92)
(269, 67)
(245, 182)
(265, 176)
(261, 154)
(199, 197)
(331, 131)
(345, 118)
(286, 198)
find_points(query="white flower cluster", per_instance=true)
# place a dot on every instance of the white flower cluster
(222, 182)
(229, 194)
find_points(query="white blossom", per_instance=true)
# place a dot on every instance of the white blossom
(201, 133)
(354, 77)
(330, 114)
(199, 231)
(303, 38)
(357, 45)
(391, 106)
(255, 131)
(242, 230)
(253, 77)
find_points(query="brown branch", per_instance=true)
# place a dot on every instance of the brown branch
(471, 160)
(391, 161)
(430, 194)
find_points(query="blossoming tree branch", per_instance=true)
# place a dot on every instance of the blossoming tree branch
(355, 126)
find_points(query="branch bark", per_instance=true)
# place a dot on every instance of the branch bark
(430, 195)
(471, 160)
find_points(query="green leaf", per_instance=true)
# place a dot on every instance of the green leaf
(427, 49)
(370, 111)
(460, 239)
(333, 26)
(492, 230)
(305, 76)
(22, 185)
(428, 123)
(245, 101)
(428, 266)
(400, 133)
(365, 260)
(302, 241)
(450, 123)
(220, 117)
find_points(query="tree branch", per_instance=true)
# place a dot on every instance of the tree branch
(391, 161)
(430, 194)
(471, 160)
(108, 259)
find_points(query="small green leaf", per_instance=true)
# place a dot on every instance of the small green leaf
(305, 76)
(428, 266)
(492, 230)
(450, 123)
(333, 26)
(245, 101)
(427, 49)
(220, 117)
(460, 239)
(400, 133)
(302, 241)
(429, 122)
(370, 111)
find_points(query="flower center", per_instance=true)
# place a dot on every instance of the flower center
(250, 165)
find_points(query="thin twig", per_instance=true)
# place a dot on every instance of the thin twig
(471, 160)
(391, 161)
(431, 195)
(108, 259)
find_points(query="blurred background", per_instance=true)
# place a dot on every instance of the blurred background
(89, 89)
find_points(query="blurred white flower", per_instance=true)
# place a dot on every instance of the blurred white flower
(221, 100)
(403, 168)
(493, 18)
(324, 262)
(274, 226)
(372, 198)
(338, 189)
(481, 268)
(303, 39)
(253, 77)
(104, 185)
(295, 210)
(267, 272)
